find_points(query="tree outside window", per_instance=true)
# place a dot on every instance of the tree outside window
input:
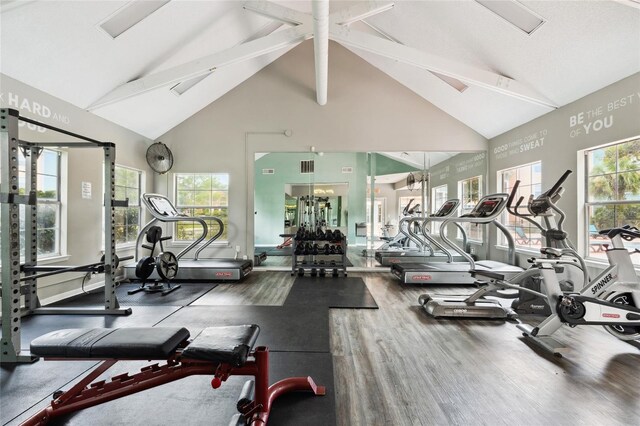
(202, 194)
(613, 193)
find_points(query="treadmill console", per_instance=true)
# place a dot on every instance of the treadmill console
(446, 209)
(486, 207)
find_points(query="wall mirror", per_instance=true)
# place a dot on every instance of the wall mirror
(362, 194)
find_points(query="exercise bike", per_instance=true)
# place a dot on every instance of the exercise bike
(611, 299)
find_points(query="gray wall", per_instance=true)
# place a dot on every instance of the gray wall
(366, 111)
(608, 115)
(83, 216)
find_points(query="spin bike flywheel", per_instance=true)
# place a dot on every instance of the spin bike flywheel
(622, 332)
(571, 311)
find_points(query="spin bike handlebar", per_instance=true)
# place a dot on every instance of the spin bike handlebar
(626, 232)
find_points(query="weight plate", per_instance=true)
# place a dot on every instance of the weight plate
(167, 265)
(144, 267)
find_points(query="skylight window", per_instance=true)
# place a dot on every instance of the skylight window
(129, 15)
(515, 13)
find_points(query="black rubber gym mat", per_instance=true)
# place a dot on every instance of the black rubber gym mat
(192, 401)
(330, 292)
(282, 328)
(185, 295)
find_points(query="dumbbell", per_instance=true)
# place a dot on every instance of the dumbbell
(314, 272)
(335, 272)
(315, 249)
(301, 272)
(323, 272)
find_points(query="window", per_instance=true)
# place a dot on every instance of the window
(612, 193)
(439, 195)
(201, 194)
(470, 192)
(127, 219)
(525, 234)
(49, 205)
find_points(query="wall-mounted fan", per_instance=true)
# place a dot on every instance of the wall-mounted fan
(159, 158)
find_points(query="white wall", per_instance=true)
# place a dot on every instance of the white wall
(366, 111)
(83, 216)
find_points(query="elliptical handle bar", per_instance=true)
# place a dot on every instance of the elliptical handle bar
(512, 195)
(554, 189)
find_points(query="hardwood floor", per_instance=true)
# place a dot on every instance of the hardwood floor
(397, 366)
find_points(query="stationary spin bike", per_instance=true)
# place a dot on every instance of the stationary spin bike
(611, 299)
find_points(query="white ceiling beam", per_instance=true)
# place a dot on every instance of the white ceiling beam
(277, 12)
(207, 64)
(359, 12)
(321, 47)
(185, 85)
(409, 55)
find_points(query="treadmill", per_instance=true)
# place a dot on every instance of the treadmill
(424, 252)
(193, 269)
(485, 212)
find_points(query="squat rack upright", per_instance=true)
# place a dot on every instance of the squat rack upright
(20, 279)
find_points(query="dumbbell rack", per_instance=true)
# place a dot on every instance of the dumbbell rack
(302, 264)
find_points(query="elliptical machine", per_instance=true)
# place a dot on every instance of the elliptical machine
(527, 283)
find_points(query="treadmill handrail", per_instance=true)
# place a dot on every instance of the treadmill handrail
(422, 244)
(502, 196)
(435, 242)
(171, 216)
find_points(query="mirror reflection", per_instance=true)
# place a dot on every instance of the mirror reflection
(365, 196)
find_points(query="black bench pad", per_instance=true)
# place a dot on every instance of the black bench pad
(230, 344)
(121, 343)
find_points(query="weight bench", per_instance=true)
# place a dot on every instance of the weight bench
(218, 351)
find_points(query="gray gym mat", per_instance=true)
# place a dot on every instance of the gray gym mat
(192, 401)
(282, 328)
(185, 295)
(330, 292)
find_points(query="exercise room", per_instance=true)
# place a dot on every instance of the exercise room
(319, 212)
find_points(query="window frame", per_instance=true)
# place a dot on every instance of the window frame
(57, 202)
(224, 239)
(591, 243)
(141, 183)
(504, 217)
(463, 210)
(435, 226)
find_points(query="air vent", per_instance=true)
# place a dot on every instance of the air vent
(306, 167)
(268, 171)
(347, 170)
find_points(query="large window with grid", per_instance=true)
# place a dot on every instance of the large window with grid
(439, 195)
(524, 233)
(128, 184)
(470, 192)
(49, 205)
(612, 193)
(201, 194)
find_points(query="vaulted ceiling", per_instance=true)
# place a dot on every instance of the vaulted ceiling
(459, 55)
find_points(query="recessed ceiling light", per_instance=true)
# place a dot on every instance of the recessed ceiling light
(515, 13)
(129, 15)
